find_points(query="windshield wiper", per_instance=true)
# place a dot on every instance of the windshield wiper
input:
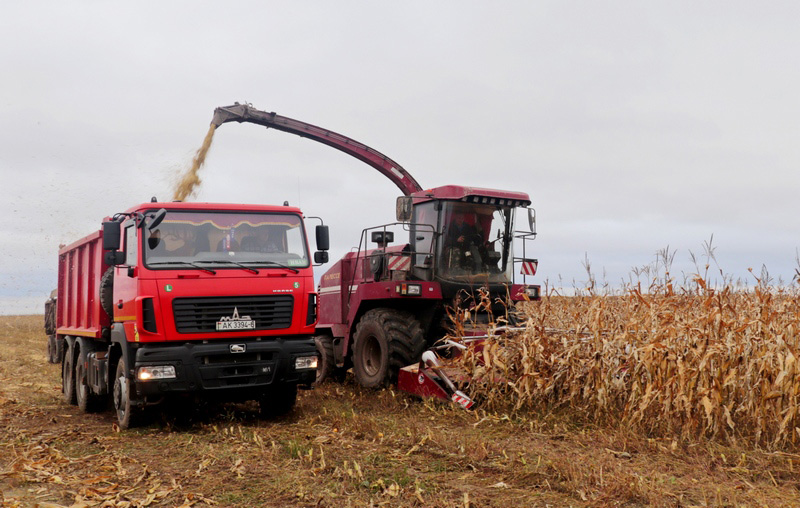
(184, 263)
(229, 262)
(273, 263)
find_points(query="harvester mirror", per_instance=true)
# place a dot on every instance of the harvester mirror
(404, 208)
(323, 239)
(157, 218)
(111, 235)
(532, 219)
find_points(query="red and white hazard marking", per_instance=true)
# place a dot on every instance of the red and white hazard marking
(399, 262)
(529, 266)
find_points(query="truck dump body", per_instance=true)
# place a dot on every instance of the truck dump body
(80, 266)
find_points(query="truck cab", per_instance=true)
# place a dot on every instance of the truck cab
(169, 299)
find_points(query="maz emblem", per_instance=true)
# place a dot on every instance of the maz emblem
(236, 322)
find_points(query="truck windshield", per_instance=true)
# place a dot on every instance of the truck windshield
(226, 240)
(476, 241)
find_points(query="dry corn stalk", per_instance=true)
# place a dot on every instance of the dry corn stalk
(698, 361)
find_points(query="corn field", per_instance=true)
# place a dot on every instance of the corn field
(687, 362)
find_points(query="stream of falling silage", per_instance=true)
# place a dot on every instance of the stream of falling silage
(190, 182)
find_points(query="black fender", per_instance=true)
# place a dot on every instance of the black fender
(121, 350)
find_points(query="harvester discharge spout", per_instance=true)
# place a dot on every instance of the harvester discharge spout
(386, 166)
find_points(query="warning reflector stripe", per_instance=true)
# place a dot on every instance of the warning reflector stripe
(399, 262)
(529, 266)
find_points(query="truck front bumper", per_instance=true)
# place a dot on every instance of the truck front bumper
(234, 368)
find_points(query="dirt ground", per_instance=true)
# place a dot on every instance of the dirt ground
(344, 446)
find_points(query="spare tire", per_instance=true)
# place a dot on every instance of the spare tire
(107, 292)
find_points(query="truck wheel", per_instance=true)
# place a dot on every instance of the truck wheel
(327, 364)
(278, 400)
(107, 292)
(68, 373)
(87, 401)
(385, 341)
(127, 412)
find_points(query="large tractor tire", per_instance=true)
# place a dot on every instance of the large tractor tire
(107, 292)
(87, 401)
(128, 413)
(385, 341)
(68, 373)
(278, 400)
(326, 368)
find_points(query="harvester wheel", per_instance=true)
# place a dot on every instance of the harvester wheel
(386, 340)
(68, 374)
(278, 400)
(87, 401)
(127, 411)
(327, 363)
(107, 292)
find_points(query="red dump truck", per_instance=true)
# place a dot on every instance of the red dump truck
(177, 299)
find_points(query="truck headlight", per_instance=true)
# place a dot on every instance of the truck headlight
(156, 372)
(305, 362)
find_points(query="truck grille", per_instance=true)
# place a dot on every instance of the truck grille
(200, 315)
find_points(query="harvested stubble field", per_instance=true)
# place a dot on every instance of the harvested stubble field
(343, 446)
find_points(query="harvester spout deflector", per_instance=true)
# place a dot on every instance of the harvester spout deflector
(386, 166)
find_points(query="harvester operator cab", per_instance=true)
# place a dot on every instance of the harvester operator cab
(463, 239)
(470, 240)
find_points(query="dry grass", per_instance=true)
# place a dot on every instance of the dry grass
(679, 362)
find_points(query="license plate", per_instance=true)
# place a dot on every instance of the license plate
(236, 325)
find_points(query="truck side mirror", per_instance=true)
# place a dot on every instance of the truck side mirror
(320, 257)
(111, 235)
(404, 208)
(114, 257)
(323, 238)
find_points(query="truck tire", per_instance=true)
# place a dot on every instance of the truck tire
(385, 341)
(278, 400)
(107, 292)
(68, 373)
(127, 412)
(87, 401)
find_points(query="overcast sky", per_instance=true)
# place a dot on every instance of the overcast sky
(633, 126)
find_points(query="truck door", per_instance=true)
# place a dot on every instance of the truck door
(124, 275)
